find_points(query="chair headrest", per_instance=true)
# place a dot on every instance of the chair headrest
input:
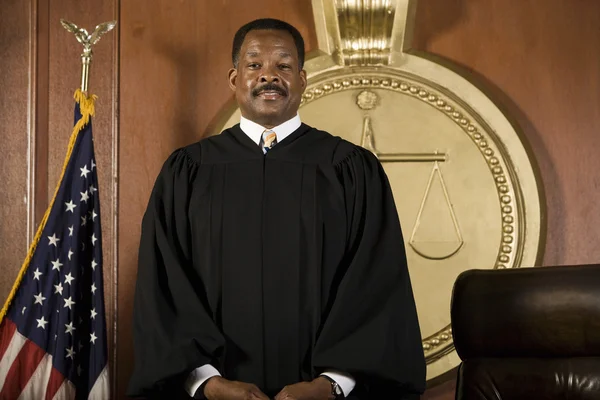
(527, 312)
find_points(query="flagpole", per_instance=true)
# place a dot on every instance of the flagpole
(87, 40)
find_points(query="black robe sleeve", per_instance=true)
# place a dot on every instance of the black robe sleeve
(173, 330)
(371, 330)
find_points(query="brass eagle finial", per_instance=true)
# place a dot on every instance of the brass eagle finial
(83, 37)
(87, 40)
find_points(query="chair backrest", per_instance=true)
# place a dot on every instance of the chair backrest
(530, 333)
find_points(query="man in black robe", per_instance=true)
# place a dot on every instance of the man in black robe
(271, 261)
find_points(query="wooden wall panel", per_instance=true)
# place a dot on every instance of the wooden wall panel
(174, 62)
(15, 58)
(542, 65)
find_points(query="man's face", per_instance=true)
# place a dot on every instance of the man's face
(268, 82)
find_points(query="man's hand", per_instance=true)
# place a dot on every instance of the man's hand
(218, 388)
(318, 389)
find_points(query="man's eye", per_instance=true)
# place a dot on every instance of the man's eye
(284, 66)
(254, 65)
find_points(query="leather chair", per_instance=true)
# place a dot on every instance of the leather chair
(529, 333)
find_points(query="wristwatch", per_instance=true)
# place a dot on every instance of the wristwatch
(336, 390)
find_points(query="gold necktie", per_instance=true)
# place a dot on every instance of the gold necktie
(269, 140)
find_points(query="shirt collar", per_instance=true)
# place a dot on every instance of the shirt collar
(254, 131)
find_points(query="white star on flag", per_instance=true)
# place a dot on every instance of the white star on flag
(70, 353)
(56, 265)
(70, 206)
(37, 274)
(71, 230)
(93, 288)
(70, 328)
(53, 240)
(94, 313)
(94, 215)
(94, 239)
(83, 220)
(93, 165)
(84, 196)
(93, 189)
(94, 263)
(41, 323)
(58, 288)
(93, 338)
(70, 254)
(69, 278)
(84, 171)
(39, 299)
(69, 303)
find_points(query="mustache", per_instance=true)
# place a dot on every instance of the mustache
(271, 87)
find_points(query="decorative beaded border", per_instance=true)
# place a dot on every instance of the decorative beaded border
(433, 344)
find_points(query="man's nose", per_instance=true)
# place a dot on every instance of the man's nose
(269, 75)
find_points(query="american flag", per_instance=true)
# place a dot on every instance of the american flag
(53, 337)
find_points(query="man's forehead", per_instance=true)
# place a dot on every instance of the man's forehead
(256, 52)
(257, 39)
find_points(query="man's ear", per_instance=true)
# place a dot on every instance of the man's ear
(232, 78)
(303, 79)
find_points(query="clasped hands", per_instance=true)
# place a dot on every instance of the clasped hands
(218, 388)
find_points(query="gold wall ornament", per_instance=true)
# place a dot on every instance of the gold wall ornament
(464, 185)
(88, 40)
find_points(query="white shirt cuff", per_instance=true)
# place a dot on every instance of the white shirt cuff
(345, 381)
(198, 376)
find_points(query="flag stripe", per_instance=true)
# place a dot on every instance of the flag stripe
(14, 348)
(54, 383)
(7, 330)
(36, 387)
(22, 369)
(101, 390)
(66, 391)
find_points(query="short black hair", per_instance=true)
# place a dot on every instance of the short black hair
(266, 24)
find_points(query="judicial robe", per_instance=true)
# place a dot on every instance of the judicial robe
(273, 268)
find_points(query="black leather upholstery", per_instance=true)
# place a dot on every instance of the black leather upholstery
(531, 333)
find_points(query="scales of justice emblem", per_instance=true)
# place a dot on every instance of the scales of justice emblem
(464, 185)
(443, 247)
